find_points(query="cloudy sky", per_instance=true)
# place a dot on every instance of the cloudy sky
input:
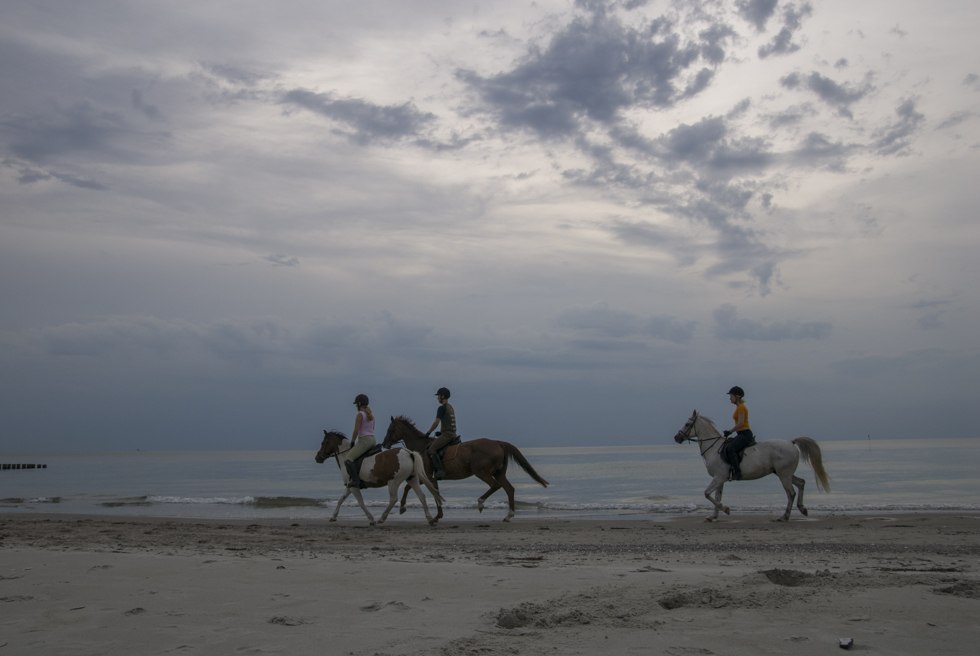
(222, 220)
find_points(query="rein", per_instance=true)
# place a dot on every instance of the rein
(705, 444)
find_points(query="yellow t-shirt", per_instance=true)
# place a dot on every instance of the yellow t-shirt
(741, 417)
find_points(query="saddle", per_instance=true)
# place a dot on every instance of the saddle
(444, 451)
(354, 465)
(728, 452)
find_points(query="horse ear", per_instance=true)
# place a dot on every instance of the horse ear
(324, 432)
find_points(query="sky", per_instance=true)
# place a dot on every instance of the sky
(220, 221)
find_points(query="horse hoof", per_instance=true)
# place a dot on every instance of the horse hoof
(804, 512)
(332, 519)
(710, 519)
(727, 510)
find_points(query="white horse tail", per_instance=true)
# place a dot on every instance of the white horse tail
(418, 470)
(810, 452)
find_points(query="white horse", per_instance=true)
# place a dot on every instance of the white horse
(392, 468)
(777, 457)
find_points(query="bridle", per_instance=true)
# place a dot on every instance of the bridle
(705, 444)
(337, 453)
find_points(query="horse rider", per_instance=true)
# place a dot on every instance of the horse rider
(362, 439)
(446, 421)
(743, 434)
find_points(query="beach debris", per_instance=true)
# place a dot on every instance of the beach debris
(287, 621)
(845, 643)
(135, 611)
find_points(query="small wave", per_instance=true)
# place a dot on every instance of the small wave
(236, 501)
(16, 501)
(286, 502)
(126, 502)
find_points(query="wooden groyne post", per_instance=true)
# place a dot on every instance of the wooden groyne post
(18, 465)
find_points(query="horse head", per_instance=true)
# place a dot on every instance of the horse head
(391, 437)
(397, 430)
(329, 446)
(687, 431)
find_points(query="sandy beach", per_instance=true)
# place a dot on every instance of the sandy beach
(895, 584)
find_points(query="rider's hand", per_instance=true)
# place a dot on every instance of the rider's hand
(727, 433)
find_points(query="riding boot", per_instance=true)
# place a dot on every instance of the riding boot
(438, 472)
(736, 472)
(353, 475)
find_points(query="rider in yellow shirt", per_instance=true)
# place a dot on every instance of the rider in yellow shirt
(743, 433)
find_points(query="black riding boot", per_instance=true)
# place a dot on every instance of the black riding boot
(353, 474)
(438, 472)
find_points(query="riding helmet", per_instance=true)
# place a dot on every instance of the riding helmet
(361, 399)
(737, 391)
(443, 391)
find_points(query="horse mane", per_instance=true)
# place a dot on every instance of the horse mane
(405, 419)
(338, 433)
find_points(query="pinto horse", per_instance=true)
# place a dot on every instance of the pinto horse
(777, 457)
(484, 458)
(391, 468)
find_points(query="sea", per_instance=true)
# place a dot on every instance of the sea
(661, 481)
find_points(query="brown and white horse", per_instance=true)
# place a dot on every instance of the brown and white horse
(388, 468)
(484, 458)
(777, 457)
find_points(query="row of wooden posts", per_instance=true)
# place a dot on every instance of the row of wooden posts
(18, 465)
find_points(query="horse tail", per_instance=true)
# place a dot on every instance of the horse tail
(810, 452)
(516, 455)
(418, 470)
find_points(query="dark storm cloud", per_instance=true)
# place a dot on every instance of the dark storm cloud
(709, 144)
(783, 43)
(818, 149)
(835, 94)
(729, 326)
(367, 121)
(757, 12)
(896, 138)
(79, 128)
(594, 68)
(602, 321)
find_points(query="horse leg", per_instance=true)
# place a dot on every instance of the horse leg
(340, 502)
(495, 484)
(401, 508)
(787, 481)
(392, 499)
(509, 489)
(716, 487)
(438, 503)
(360, 502)
(800, 484)
(414, 482)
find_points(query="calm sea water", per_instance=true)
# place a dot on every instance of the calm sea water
(624, 482)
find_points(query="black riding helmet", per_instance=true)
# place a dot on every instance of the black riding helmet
(737, 391)
(443, 391)
(361, 399)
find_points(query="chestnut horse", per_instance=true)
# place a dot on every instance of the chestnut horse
(777, 457)
(391, 468)
(484, 458)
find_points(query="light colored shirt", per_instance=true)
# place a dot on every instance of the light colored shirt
(366, 427)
